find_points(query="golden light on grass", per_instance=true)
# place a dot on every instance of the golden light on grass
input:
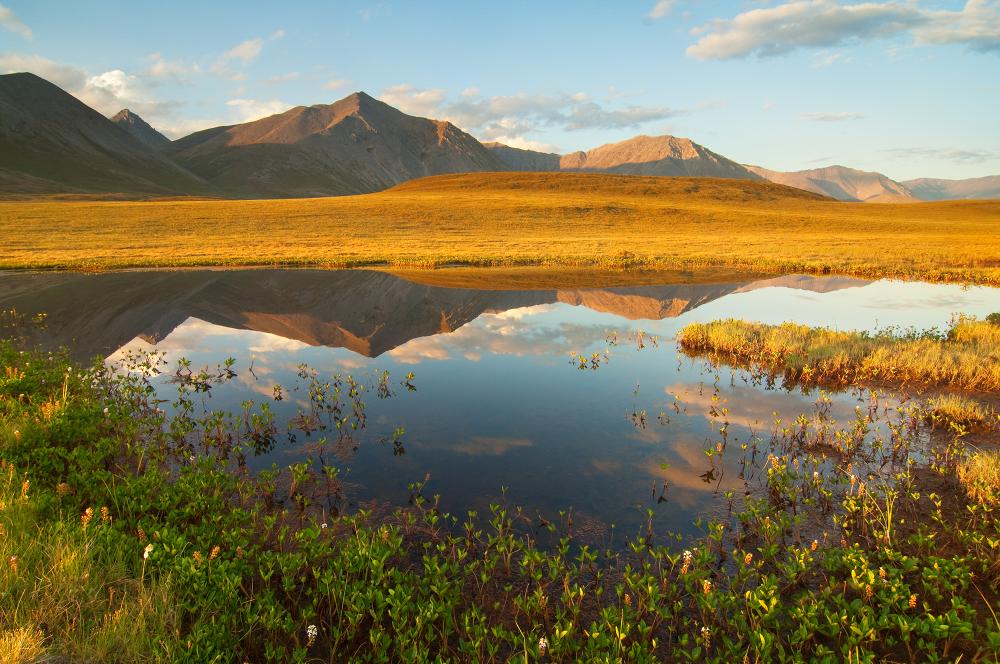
(518, 219)
(980, 476)
(969, 358)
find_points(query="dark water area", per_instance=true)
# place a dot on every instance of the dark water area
(501, 403)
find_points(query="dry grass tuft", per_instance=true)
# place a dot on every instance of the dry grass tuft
(980, 476)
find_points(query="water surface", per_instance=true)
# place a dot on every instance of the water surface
(501, 402)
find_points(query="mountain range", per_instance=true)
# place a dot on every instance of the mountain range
(367, 312)
(52, 143)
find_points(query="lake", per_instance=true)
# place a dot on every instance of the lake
(573, 400)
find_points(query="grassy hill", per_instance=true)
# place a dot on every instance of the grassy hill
(518, 219)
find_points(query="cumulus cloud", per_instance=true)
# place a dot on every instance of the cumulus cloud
(660, 9)
(509, 118)
(945, 154)
(799, 24)
(838, 116)
(10, 21)
(253, 109)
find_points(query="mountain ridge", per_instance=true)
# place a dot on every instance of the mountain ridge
(52, 143)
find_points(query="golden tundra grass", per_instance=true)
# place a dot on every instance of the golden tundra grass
(519, 219)
(968, 358)
(980, 476)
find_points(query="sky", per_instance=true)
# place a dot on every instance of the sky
(908, 88)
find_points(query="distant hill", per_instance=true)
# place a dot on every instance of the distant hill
(929, 189)
(356, 145)
(519, 159)
(641, 155)
(139, 128)
(51, 142)
(842, 183)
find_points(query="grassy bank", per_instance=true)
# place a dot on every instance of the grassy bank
(131, 535)
(966, 356)
(521, 219)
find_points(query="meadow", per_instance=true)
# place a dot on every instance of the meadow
(133, 535)
(518, 220)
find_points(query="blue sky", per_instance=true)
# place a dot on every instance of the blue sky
(909, 88)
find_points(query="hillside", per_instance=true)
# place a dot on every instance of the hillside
(50, 142)
(641, 155)
(929, 189)
(356, 145)
(578, 220)
(518, 159)
(842, 183)
(139, 128)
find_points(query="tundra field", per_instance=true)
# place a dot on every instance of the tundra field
(514, 220)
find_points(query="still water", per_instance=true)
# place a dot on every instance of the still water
(501, 404)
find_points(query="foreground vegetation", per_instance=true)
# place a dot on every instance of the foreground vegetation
(966, 356)
(130, 535)
(521, 219)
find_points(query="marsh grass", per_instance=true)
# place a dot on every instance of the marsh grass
(946, 410)
(965, 357)
(518, 220)
(980, 476)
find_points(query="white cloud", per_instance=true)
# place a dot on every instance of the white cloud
(160, 67)
(955, 155)
(65, 76)
(282, 78)
(253, 109)
(336, 83)
(246, 51)
(10, 21)
(525, 144)
(410, 100)
(507, 118)
(836, 116)
(825, 59)
(828, 23)
(660, 9)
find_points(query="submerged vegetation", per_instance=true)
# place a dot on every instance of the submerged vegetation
(514, 220)
(131, 534)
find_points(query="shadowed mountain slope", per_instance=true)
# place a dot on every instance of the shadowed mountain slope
(139, 128)
(356, 145)
(842, 183)
(367, 312)
(51, 142)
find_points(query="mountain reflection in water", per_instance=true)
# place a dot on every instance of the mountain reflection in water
(499, 400)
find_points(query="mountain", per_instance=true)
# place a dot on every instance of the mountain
(139, 128)
(641, 155)
(50, 142)
(929, 189)
(365, 311)
(356, 145)
(518, 159)
(842, 183)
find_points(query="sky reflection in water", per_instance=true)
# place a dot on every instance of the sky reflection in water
(500, 401)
